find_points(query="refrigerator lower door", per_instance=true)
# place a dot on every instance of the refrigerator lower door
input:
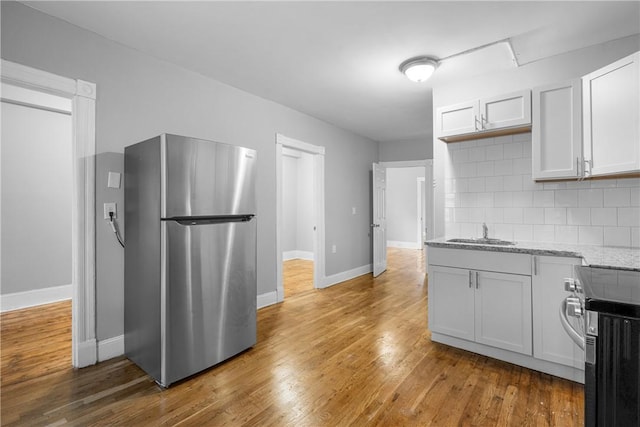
(208, 294)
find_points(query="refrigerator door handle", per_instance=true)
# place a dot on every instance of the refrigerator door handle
(204, 220)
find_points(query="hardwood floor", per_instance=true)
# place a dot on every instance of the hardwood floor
(358, 353)
(297, 276)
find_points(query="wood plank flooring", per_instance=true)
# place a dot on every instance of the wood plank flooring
(297, 276)
(358, 353)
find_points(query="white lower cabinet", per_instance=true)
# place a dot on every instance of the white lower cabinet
(550, 341)
(486, 307)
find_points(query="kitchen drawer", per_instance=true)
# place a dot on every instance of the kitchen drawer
(504, 262)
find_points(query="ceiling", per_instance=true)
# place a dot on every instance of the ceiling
(338, 60)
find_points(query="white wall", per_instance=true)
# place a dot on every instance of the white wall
(414, 149)
(402, 206)
(555, 69)
(139, 97)
(297, 205)
(36, 198)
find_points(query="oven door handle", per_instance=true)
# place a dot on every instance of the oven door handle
(570, 330)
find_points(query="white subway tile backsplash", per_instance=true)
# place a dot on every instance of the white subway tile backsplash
(513, 150)
(476, 185)
(578, 216)
(629, 217)
(544, 233)
(489, 180)
(523, 232)
(617, 236)
(543, 199)
(566, 233)
(477, 154)
(485, 200)
(486, 168)
(590, 235)
(635, 196)
(503, 199)
(494, 215)
(494, 152)
(534, 216)
(566, 198)
(494, 183)
(514, 183)
(522, 166)
(603, 216)
(522, 199)
(590, 198)
(503, 167)
(513, 215)
(618, 197)
(555, 216)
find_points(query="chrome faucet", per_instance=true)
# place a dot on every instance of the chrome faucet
(485, 231)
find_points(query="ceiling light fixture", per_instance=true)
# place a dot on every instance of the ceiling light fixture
(419, 69)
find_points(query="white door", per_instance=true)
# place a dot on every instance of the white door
(379, 224)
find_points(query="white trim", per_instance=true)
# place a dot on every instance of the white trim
(296, 254)
(283, 144)
(403, 245)
(404, 164)
(110, 348)
(19, 300)
(267, 299)
(335, 279)
(421, 196)
(83, 96)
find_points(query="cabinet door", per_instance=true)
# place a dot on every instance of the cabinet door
(550, 341)
(506, 110)
(557, 130)
(611, 111)
(451, 296)
(457, 119)
(503, 311)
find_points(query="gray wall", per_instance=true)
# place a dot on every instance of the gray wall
(139, 97)
(417, 149)
(36, 199)
(402, 204)
(297, 201)
(555, 69)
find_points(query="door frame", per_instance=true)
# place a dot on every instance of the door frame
(317, 153)
(421, 199)
(83, 96)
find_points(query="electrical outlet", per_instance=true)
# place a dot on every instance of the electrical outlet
(333, 249)
(110, 207)
(353, 210)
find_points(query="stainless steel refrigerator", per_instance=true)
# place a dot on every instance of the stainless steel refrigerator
(190, 254)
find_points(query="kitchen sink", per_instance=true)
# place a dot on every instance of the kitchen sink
(483, 241)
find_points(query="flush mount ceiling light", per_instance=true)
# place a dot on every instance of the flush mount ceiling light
(419, 69)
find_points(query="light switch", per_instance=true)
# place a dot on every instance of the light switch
(114, 180)
(353, 210)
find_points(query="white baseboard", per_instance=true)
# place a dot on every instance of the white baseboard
(110, 348)
(346, 275)
(403, 245)
(267, 299)
(86, 355)
(287, 255)
(18, 300)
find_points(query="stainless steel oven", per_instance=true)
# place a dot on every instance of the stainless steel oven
(603, 317)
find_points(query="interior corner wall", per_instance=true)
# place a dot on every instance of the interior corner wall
(555, 69)
(139, 96)
(415, 149)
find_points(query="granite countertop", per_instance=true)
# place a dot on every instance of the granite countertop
(594, 256)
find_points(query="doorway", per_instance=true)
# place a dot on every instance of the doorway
(300, 216)
(82, 96)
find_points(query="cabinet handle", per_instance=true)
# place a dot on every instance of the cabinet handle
(477, 280)
(587, 163)
(578, 166)
(475, 122)
(470, 279)
(482, 120)
(535, 265)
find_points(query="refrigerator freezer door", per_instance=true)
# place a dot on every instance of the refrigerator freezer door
(209, 295)
(207, 178)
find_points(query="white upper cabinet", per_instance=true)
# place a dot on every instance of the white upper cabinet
(611, 116)
(480, 118)
(557, 131)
